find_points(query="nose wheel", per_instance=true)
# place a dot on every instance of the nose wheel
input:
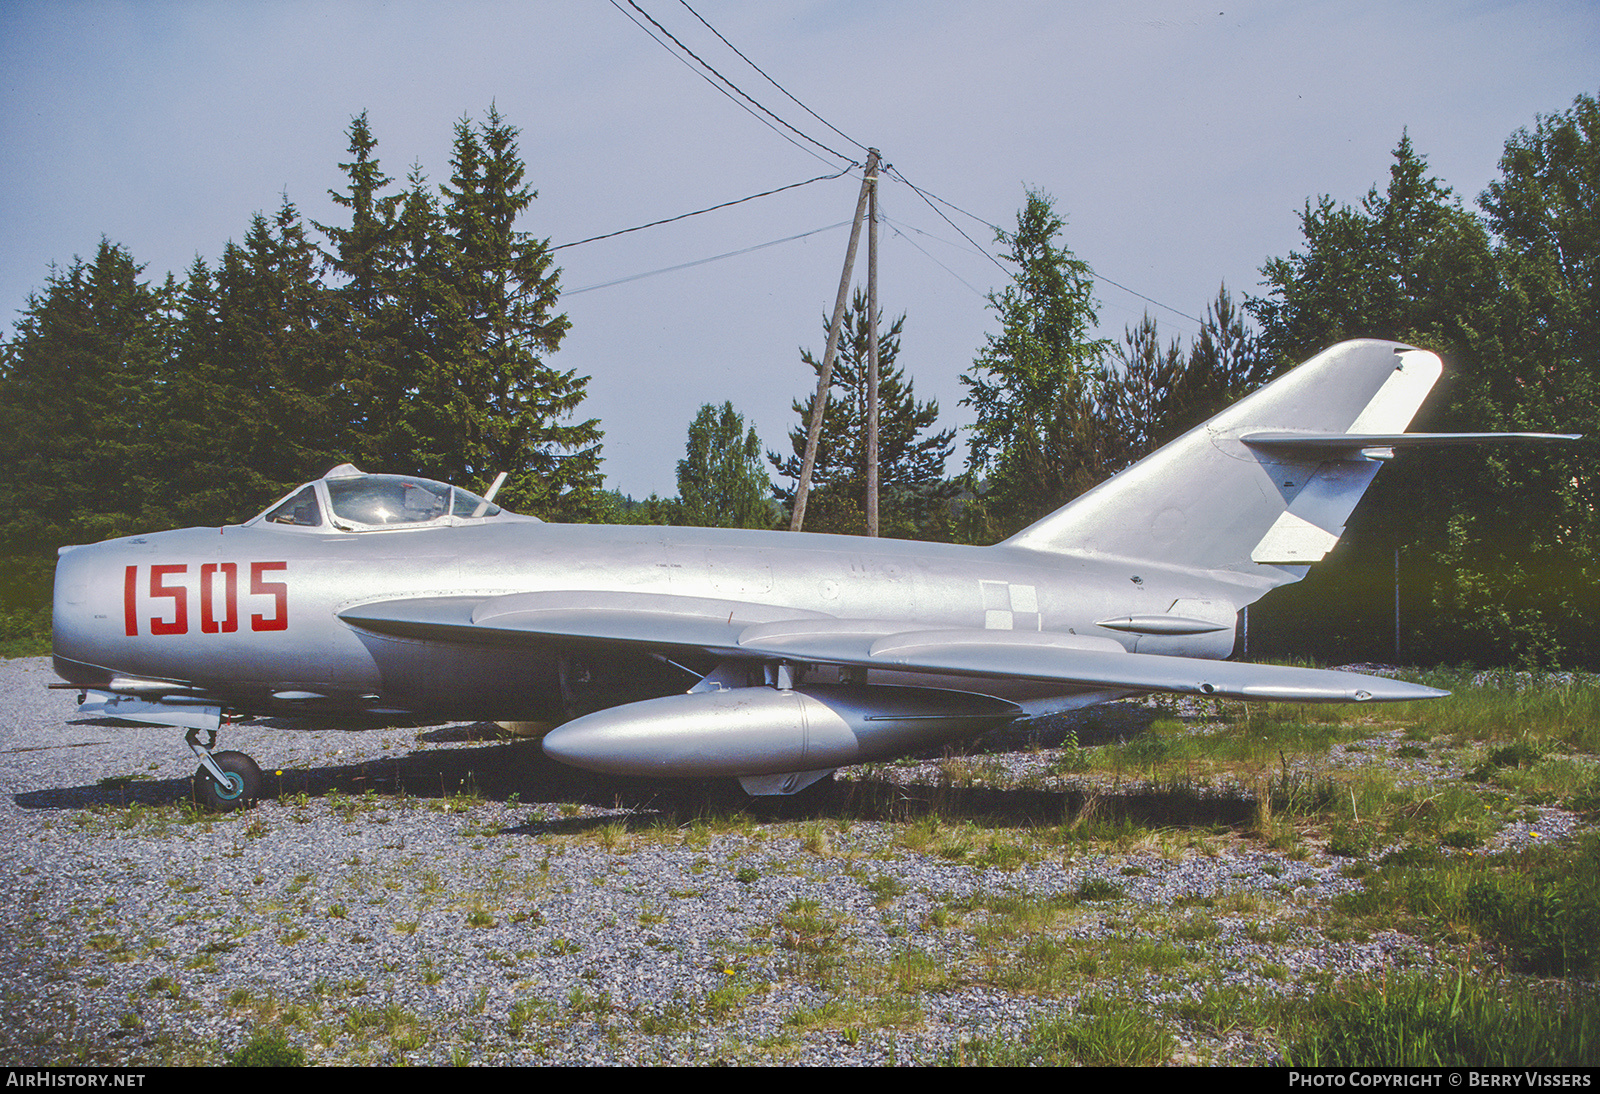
(224, 781)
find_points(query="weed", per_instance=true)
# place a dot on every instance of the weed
(884, 889)
(1099, 888)
(1351, 840)
(1197, 927)
(1116, 1035)
(267, 1050)
(807, 929)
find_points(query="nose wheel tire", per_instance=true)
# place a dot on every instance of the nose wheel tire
(243, 785)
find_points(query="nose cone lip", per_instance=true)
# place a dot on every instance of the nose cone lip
(622, 740)
(69, 608)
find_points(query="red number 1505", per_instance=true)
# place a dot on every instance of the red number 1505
(219, 614)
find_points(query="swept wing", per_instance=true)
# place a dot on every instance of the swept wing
(733, 630)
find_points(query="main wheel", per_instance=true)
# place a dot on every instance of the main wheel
(243, 785)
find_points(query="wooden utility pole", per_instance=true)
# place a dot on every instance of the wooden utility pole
(872, 348)
(818, 404)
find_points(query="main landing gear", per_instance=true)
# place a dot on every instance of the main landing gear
(224, 781)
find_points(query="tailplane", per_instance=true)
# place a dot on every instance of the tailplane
(1266, 486)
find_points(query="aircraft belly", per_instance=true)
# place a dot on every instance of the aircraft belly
(464, 681)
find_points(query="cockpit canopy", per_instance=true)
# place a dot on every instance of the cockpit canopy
(352, 501)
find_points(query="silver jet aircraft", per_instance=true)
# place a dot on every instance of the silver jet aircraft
(771, 657)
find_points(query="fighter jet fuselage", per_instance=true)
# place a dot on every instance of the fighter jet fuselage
(252, 614)
(768, 656)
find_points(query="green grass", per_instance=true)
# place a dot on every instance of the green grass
(1460, 1020)
(1104, 1033)
(1110, 980)
(269, 1049)
(1537, 712)
(1541, 905)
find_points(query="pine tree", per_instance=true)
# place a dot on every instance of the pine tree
(912, 488)
(1151, 395)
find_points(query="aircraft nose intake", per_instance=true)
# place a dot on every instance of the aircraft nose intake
(69, 609)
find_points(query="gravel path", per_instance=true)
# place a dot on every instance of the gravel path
(431, 895)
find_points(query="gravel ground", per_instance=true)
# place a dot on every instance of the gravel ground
(434, 895)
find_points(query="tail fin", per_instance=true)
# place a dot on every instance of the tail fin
(1266, 486)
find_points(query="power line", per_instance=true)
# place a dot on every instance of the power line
(681, 60)
(925, 197)
(1142, 296)
(957, 208)
(697, 212)
(735, 87)
(930, 197)
(771, 81)
(930, 235)
(726, 85)
(895, 226)
(975, 290)
(703, 261)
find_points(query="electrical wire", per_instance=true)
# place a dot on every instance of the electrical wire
(975, 290)
(735, 87)
(930, 194)
(703, 261)
(1148, 299)
(726, 85)
(771, 81)
(930, 235)
(724, 91)
(930, 197)
(895, 173)
(697, 212)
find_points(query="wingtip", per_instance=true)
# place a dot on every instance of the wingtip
(1402, 691)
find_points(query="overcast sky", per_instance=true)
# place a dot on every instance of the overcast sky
(1180, 141)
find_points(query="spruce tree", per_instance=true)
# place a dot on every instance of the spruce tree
(278, 355)
(365, 323)
(912, 488)
(511, 409)
(1494, 545)
(77, 421)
